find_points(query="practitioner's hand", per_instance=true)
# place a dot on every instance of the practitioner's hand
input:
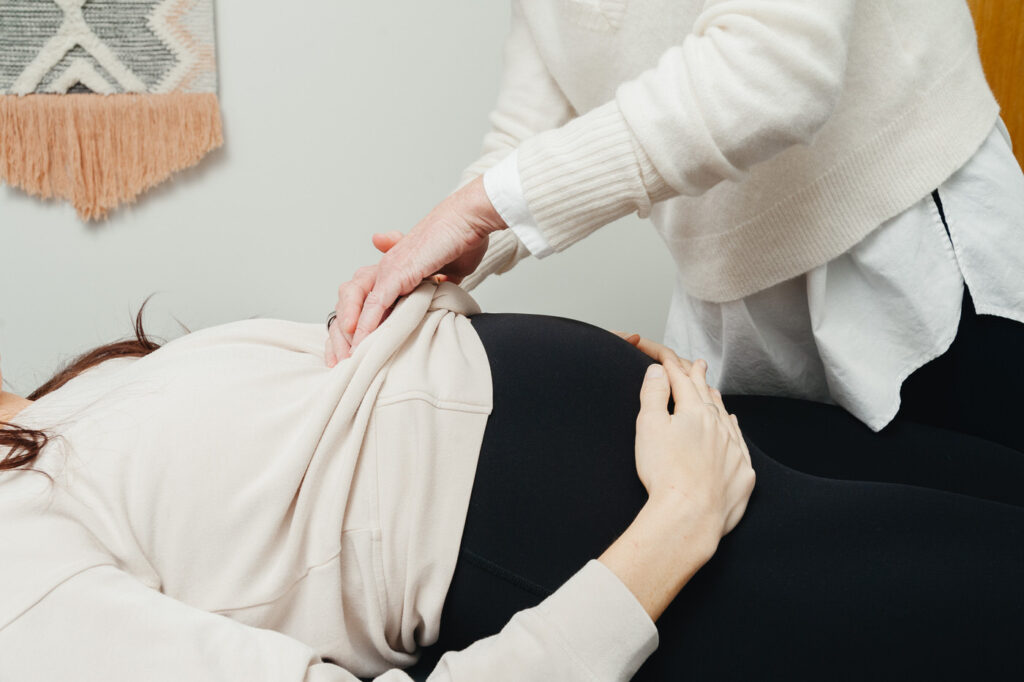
(451, 240)
(696, 456)
(660, 352)
(339, 337)
(350, 297)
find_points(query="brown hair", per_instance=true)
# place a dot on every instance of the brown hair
(26, 444)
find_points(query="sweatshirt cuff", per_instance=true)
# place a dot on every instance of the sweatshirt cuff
(504, 188)
(602, 622)
(586, 174)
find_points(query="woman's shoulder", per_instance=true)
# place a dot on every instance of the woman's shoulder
(255, 332)
(53, 408)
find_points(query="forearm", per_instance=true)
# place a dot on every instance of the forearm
(660, 551)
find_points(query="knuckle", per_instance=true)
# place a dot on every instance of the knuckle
(387, 265)
(650, 390)
(693, 415)
(373, 298)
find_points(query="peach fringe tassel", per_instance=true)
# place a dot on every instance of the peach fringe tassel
(100, 151)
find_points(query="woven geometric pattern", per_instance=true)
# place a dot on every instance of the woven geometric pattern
(107, 46)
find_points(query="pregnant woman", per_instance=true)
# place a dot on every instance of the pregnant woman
(226, 508)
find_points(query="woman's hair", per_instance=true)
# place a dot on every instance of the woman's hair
(26, 444)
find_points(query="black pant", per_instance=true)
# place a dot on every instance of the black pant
(825, 578)
(977, 386)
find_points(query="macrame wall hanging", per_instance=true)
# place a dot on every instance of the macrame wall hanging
(102, 99)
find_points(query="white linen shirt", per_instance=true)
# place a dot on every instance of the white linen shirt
(852, 330)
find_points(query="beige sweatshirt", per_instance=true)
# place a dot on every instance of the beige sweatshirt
(776, 135)
(229, 509)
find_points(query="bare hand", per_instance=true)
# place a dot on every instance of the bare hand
(451, 241)
(696, 456)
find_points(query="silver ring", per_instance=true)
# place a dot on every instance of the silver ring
(330, 318)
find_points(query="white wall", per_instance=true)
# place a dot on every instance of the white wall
(347, 119)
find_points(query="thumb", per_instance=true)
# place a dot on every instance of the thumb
(655, 392)
(386, 241)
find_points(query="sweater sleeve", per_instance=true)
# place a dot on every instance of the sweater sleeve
(106, 626)
(505, 190)
(529, 102)
(752, 79)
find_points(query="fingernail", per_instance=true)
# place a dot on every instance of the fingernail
(655, 371)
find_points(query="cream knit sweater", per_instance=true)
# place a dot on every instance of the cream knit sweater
(776, 134)
(229, 509)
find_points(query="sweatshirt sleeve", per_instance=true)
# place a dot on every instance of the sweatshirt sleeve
(750, 80)
(103, 625)
(529, 102)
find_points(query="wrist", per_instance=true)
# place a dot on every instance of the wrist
(684, 529)
(485, 217)
(660, 552)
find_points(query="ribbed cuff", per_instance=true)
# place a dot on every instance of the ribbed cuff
(586, 174)
(505, 190)
(602, 622)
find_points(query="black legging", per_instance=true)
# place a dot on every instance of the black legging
(835, 579)
(976, 387)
